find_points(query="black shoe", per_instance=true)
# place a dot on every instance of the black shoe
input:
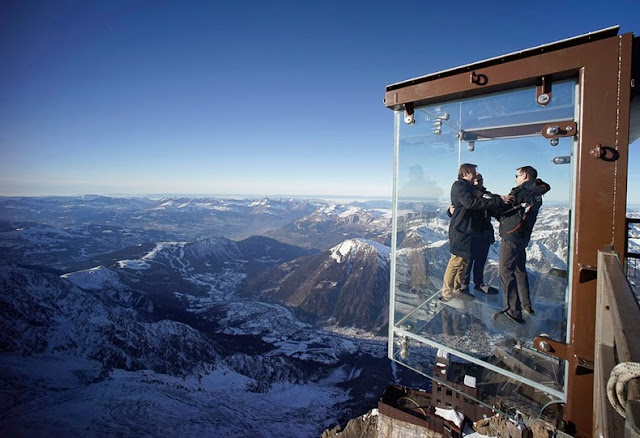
(445, 299)
(528, 311)
(518, 319)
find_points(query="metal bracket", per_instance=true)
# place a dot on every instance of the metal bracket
(567, 128)
(547, 345)
(409, 118)
(560, 350)
(543, 91)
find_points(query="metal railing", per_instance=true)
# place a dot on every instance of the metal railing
(617, 352)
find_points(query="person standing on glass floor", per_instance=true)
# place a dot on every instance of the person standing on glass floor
(516, 225)
(464, 202)
(482, 237)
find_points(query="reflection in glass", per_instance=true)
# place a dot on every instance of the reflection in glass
(469, 328)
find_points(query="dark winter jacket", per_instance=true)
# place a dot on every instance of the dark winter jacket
(466, 204)
(481, 219)
(517, 220)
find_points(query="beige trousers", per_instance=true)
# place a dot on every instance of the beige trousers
(452, 282)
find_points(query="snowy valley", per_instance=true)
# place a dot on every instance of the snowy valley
(111, 328)
(205, 317)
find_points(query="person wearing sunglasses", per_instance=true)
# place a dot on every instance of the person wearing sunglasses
(516, 225)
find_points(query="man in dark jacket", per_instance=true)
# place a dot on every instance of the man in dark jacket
(516, 225)
(481, 239)
(464, 199)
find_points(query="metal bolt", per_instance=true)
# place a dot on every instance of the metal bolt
(561, 160)
(569, 128)
(544, 346)
(543, 99)
(554, 142)
(553, 130)
(597, 152)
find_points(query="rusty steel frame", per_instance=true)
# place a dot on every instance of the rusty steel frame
(602, 67)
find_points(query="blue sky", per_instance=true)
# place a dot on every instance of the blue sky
(249, 98)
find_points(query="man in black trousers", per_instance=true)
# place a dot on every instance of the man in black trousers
(516, 225)
(481, 239)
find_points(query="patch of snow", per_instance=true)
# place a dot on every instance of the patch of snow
(95, 279)
(133, 264)
(451, 415)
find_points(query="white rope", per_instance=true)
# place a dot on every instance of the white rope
(620, 375)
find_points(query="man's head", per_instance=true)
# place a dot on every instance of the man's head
(478, 181)
(525, 173)
(467, 171)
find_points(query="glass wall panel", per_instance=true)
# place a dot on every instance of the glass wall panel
(494, 132)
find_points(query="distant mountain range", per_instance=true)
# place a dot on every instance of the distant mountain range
(106, 299)
(195, 317)
(178, 219)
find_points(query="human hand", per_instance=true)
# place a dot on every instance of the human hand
(507, 199)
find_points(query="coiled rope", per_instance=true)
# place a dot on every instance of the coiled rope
(620, 375)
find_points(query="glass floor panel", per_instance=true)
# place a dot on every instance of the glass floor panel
(473, 327)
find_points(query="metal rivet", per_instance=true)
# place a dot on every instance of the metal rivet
(543, 98)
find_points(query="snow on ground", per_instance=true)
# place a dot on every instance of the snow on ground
(259, 319)
(97, 278)
(144, 403)
(341, 251)
(135, 265)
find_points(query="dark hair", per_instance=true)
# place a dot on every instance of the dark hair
(466, 168)
(533, 174)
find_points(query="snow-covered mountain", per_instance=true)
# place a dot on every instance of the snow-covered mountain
(331, 224)
(74, 362)
(83, 356)
(347, 285)
(45, 315)
(69, 248)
